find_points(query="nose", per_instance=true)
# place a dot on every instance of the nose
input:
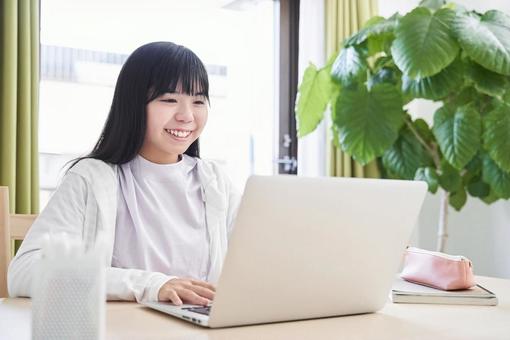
(185, 113)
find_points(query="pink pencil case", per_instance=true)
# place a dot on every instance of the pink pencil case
(437, 270)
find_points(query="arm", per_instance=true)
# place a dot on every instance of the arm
(66, 212)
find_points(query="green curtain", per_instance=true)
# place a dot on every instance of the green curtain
(342, 19)
(19, 95)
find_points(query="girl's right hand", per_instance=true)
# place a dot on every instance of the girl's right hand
(179, 291)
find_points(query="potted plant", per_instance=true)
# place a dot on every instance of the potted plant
(439, 52)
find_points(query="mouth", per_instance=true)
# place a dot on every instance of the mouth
(179, 134)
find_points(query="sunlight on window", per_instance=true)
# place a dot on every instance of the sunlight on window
(85, 43)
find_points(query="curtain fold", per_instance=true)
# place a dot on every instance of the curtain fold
(19, 95)
(343, 18)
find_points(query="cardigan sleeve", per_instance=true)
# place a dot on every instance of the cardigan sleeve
(234, 200)
(63, 213)
(66, 212)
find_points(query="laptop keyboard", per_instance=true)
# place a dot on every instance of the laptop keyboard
(200, 310)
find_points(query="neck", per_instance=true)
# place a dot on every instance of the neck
(160, 158)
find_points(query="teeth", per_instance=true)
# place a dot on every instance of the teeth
(179, 133)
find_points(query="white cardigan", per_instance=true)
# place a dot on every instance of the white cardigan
(85, 206)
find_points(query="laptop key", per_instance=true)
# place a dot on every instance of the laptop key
(200, 310)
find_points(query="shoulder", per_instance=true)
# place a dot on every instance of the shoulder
(100, 178)
(210, 170)
(90, 169)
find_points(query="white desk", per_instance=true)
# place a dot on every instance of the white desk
(127, 320)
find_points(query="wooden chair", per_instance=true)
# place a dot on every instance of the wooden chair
(12, 227)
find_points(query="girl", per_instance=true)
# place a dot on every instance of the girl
(167, 213)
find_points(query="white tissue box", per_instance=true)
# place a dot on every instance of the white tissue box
(68, 297)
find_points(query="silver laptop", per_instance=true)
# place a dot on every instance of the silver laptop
(307, 248)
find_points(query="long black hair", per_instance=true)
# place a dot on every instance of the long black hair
(150, 71)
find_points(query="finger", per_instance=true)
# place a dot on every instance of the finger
(172, 295)
(203, 284)
(191, 297)
(204, 292)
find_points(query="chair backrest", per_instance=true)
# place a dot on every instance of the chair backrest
(12, 227)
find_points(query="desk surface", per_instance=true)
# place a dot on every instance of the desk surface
(128, 320)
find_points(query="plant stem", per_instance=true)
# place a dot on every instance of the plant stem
(433, 153)
(442, 234)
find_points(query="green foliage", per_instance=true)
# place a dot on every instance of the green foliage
(368, 120)
(428, 175)
(315, 89)
(485, 39)
(348, 66)
(437, 86)
(485, 81)
(457, 131)
(406, 156)
(440, 52)
(498, 179)
(496, 135)
(424, 44)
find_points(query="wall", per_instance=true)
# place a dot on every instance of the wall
(479, 232)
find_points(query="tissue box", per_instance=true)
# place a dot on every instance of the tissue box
(68, 297)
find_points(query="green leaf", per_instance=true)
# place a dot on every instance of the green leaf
(458, 199)
(475, 165)
(498, 179)
(458, 133)
(406, 155)
(348, 65)
(432, 4)
(375, 26)
(506, 96)
(490, 198)
(423, 43)
(314, 95)
(362, 35)
(465, 96)
(437, 86)
(380, 43)
(384, 26)
(485, 39)
(479, 189)
(496, 135)
(449, 178)
(423, 130)
(488, 82)
(429, 175)
(368, 121)
(334, 129)
(384, 75)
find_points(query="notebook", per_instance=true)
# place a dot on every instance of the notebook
(407, 292)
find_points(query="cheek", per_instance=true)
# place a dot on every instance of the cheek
(153, 128)
(202, 119)
(155, 121)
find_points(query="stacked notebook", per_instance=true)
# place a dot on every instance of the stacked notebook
(407, 292)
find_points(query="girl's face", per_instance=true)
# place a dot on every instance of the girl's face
(174, 121)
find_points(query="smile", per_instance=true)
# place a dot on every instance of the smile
(179, 133)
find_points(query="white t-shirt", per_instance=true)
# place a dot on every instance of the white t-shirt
(161, 222)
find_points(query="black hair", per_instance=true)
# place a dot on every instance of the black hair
(150, 71)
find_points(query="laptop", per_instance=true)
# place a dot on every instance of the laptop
(305, 248)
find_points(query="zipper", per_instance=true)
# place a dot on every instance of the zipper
(438, 254)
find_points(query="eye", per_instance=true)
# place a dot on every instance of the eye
(169, 100)
(199, 102)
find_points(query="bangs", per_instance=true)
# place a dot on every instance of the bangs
(180, 71)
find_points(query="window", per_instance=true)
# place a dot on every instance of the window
(85, 43)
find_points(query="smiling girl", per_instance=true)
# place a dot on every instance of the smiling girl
(165, 213)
